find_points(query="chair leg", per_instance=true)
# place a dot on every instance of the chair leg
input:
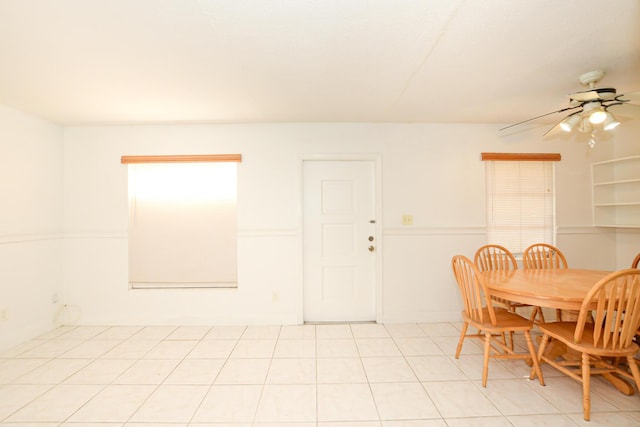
(586, 385)
(541, 348)
(463, 333)
(534, 358)
(485, 364)
(635, 371)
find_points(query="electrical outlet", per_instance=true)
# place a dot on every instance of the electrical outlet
(407, 219)
(275, 296)
(54, 298)
(4, 314)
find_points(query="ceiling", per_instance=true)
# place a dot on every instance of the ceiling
(219, 61)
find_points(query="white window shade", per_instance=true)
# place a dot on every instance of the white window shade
(182, 224)
(520, 203)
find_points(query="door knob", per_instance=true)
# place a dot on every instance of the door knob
(371, 248)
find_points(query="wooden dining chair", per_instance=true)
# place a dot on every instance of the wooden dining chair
(545, 256)
(634, 264)
(615, 303)
(496, 257)
(491, 322)
(542, 255)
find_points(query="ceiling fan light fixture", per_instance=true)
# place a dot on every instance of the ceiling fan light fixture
(585, 125)
(597, 116)
(570, 122)
(610, 122)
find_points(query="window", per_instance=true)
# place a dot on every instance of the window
(520, 199)
(182, 221)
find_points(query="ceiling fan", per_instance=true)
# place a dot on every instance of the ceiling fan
(593, 109)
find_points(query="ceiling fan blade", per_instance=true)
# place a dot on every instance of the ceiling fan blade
(538, 117)
(599, 94)
(626, 109)
(553, 130)
(633, 97)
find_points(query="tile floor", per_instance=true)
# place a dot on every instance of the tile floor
(360, 375)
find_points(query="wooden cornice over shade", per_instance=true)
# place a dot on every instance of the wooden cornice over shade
(523, 157)
(188, 158)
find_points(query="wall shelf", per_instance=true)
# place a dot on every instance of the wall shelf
(616, 192)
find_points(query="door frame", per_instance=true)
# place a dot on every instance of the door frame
(376, 158)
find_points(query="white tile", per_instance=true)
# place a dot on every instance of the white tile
(448, 345)
(195, 372)
(147, 371)
(415, 423)
(14, 397)
(171, 349)
(57, 332)
(102, 371)
(256, 332)
(84, 332)
(377, 347)
(403, 401)
(131, 349)
(287, 403)
(440, 329)
(341, 370)
(11, 369)
(119, 332)
(225, 333)
(189, 333)
(566, 394)
(471, 365)
(418, 346)
(298, 332)
(506, 395)
(484, 422)
(115, 403)
(154, 333)
(293, 348)
(350, 424)
(212, 349)
(57, 404)
(340, 402)
(336, 348)
(404, 330)
(292, 371)
(42, 425)
(91, 349)
(253, 348)
(369, 330)
(457, 399)
(605, 419)
(171, 403)
(229, 404)
(324, 332)
(435, 368)
(244, 371)
(544, 420)
(18, 350)
(52, 372)
(50, 349)
(387, 369)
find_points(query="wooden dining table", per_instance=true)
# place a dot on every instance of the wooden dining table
(563, 289)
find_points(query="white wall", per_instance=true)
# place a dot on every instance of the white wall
(30, 225)
(432, 171)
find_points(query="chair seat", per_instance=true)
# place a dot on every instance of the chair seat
(564, 331)
(505, 319)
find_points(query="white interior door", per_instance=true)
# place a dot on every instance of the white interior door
(339, 241)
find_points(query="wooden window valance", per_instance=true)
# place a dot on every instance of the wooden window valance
(188, 158)
(537, 157)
